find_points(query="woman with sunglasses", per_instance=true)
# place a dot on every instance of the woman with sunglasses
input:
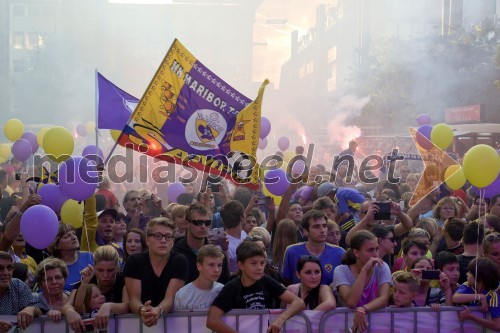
(491, 247)
(315, 295)
(386, 243)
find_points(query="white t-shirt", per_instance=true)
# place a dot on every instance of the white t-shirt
(231, 250)
(191, 298)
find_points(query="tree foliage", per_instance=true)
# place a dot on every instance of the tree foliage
(429, 74)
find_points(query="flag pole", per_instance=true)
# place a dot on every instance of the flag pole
(96, 115)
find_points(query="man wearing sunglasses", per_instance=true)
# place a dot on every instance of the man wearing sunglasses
(196, 236)
(16, 297)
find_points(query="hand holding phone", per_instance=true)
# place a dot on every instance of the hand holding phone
(430, 274)
(384, 211)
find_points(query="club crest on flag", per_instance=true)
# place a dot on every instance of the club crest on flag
(190, 116)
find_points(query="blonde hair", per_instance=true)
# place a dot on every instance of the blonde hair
(178, 211)
(408, 278)
(262, 233)
(106, 253)
(162, 221)
(418, 232)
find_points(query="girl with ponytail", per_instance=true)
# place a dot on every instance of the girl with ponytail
(363, 280)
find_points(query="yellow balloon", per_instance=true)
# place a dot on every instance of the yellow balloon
(90, 127)
(59, 143)
(454, 177)
(288, 155)
(13, 129)
(481, 165)
(5, 151)
(115, 134)
(72, 213)
(442, 136)
(2, 160)
(40, 135)
(277, 199)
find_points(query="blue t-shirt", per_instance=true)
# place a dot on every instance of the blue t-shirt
(491, 298)
(330, 258)
(74, 276)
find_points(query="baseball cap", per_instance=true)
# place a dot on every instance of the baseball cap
(110, 211)
(325, 189)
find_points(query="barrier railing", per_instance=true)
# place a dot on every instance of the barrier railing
(393, 320)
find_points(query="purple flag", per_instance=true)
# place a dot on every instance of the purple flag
(114, 105)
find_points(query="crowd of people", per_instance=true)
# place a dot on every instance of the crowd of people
(326, 244)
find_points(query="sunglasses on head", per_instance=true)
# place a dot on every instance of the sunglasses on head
(490, 238)
(253, 238)
(198, 223)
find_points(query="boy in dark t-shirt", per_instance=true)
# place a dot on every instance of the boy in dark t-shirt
(251, 290)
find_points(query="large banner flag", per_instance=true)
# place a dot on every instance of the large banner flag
(114, 105)
(189, 115)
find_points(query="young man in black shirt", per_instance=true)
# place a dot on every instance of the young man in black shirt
(152, 278)
(252, 290)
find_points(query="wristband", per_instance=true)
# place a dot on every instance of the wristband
(19, 213)
(361, 309)
(161, 311)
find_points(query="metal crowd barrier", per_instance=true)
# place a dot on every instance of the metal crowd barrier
(389, 320)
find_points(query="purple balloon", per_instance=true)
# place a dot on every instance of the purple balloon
(262, 143)
(491, 190)
(174, 190)
(276, 182)
(52, 196)
(298, 167)
(90, 153)
(31, 137)
(81, 130)
(39, 226)
(265, 127)
(21, 149)
(78, 178)
(423, 119)
(424, 137)
(283, 143)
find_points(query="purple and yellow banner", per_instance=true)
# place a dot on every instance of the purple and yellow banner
(189, 115)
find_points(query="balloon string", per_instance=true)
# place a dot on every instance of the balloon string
(47, 283)
(87, 234)
(481, 199)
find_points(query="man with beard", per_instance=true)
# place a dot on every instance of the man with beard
(196, 236)
(330, 256)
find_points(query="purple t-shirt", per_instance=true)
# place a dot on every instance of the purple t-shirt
(305, 192)
(381, 275)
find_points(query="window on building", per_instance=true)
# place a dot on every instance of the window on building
(332, 54)
(34, 10)
(332, 80)
(18, 10)
(17, 40)
(310, 67)
(18, 66)
(32, 40)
